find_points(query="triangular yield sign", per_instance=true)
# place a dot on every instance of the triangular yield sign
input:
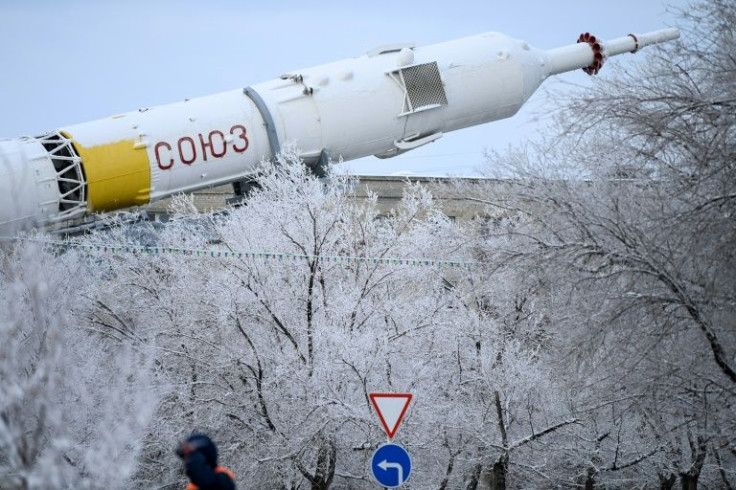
(391, 408)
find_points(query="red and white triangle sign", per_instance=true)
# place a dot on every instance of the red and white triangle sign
(391, 408)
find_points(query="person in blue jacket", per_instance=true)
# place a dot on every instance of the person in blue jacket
(200, 459)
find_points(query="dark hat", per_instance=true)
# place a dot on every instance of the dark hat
(204, 445)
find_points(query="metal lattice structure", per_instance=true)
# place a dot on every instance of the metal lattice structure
(69, 174)
(422, 86)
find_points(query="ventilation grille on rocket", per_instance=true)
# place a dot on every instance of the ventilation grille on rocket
(69, 174)
(422, 85)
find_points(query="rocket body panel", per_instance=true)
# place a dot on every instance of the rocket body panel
(145, 155)
(483, 79)
(363, 106)
(384, 103)
(30, 193)
(349, 107)
(204, 142)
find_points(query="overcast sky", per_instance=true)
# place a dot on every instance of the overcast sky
(66, 62)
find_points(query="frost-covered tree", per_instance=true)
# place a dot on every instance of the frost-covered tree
(274, 321)
(625, 226)
(73, 402)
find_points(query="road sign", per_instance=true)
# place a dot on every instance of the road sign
(391, 408)
(391, 465)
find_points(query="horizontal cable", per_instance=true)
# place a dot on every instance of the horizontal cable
(231, 254)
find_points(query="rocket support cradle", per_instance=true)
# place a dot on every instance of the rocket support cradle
(389, 101)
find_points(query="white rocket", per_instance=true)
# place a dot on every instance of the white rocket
(391, 100)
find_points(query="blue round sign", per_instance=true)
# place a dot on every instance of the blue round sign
(391, 465)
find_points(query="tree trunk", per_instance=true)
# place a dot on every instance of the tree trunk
(499, 472)
(689, 478)
(722, 471)
(474, 478)
(325, 466)
(310, 315)
(500, 467)
(324, 471)
(590, 479)
(667, 482)
(689, 482)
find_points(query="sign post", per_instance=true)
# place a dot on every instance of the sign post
(391, 463)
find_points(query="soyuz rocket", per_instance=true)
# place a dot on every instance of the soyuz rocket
(389, 101)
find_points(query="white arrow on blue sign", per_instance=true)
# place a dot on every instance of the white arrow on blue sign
(391, 465)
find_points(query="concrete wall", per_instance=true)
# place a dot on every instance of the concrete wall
(388, 189)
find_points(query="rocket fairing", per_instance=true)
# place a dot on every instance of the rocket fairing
(389, 101)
